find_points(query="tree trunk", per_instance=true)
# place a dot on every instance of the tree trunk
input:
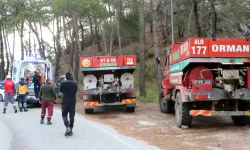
(2, 72)
(78, 52)
(142, 51)
(92, 34)
(82, 35)
(14, 42)
(156, 46)
(21, 37)
(213, 18)
(118, 25)
(6, 51)
(39, 40)
(72, 48)
(97, 41)
(151, 22)
(104, 40)
(111, 40)
(42, 42)
(8, 44)
(34, 47)
(9, 53)
(196, 18)
(58, 50)
(54, 38)
(29, 42)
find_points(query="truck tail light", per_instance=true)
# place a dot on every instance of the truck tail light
(84, 97)
(201, 96)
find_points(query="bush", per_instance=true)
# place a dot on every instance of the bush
(150, 55)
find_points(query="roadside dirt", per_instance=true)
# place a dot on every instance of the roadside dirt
(159, 129)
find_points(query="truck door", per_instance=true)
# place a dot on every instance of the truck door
(166, 76)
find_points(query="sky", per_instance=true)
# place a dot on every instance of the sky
(47, 36)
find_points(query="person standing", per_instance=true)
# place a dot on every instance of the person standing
(37, 85)
(41, 77)
(47, 96)
(9, 92)
(68, 89)
(27, 79)
(22, 92)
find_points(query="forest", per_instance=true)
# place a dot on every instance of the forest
(114, 27)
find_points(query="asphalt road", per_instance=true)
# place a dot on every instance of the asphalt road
(23, 131)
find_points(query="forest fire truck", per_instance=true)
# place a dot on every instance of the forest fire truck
(25, 68)
(208, 77)
(108, 81)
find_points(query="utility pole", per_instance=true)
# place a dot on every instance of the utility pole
(172, 21)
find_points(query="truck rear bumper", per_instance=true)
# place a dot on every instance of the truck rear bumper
(218, 94)
(127, 102)
(218, 113)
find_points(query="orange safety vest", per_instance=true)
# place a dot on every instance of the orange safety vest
(42, 78)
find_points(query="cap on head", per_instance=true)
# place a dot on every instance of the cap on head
(8, 77)
(68, 76)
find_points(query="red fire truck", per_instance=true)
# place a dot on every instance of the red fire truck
(208, 77)
(108, 81)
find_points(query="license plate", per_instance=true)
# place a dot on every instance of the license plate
(108, 78)
(202, 82)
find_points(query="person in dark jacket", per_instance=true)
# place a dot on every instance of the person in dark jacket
(22, 92)
(37, 85)
(47, 96)
(68, 89)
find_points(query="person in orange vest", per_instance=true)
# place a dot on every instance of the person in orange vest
(42, 77)
(9, 92)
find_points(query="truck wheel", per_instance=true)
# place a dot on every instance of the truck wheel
(130, 109)
(89, 111)
(166, 107)
(182, 116)
(239, 120)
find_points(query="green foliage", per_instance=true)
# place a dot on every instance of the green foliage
(150, 55)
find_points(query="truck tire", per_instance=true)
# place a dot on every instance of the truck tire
(130, 109)
(182, 116)
(239, 120)
(166, 107)
(89, 111)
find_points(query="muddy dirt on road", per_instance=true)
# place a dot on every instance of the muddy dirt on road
(156, 128)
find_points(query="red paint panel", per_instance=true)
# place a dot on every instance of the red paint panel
(175, 80)
(86, 62)
(175, 52)
(229, 48)
(107, 61)
(130, 60)
(198, 47)
(206, 47)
